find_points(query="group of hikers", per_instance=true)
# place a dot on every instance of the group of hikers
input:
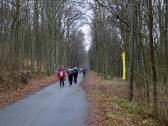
(71, 73)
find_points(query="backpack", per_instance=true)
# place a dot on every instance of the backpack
(61, 73)
(75, 71)
(70, 71)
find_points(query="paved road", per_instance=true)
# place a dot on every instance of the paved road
(52, 106)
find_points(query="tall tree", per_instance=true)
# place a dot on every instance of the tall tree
(133, 36)
(151, 45)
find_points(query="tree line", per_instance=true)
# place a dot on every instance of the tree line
(139, 28)
(36, 36)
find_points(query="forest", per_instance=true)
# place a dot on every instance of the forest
(140, 29)
(36, 36)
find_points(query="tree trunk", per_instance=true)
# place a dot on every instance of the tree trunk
(154, 75)
(36, 39)
(17, 41)
(132, 50)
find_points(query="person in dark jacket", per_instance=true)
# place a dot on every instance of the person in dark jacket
(84, 71)
(75, 74)
(70, 73)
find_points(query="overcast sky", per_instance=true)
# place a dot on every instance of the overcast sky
(86, 27)
(86, 30)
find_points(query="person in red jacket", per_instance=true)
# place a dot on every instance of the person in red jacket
(61, 74)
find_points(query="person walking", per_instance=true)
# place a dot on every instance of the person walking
(70, 73)
(61, 74)
(84, 71)
(75, 74)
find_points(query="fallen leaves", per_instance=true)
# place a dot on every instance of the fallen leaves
(109, 105)
(10, 94)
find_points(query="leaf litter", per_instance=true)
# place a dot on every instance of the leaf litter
(109, 105)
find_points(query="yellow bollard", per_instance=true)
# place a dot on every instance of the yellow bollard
(124, 66)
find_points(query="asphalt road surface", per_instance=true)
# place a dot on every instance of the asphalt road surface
(52, 106)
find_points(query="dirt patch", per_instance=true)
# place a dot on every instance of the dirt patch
(9, 95)
(109, 105)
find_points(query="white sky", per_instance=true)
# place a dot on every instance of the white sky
(86, 29)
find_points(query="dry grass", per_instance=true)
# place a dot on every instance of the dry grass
(109, 105)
